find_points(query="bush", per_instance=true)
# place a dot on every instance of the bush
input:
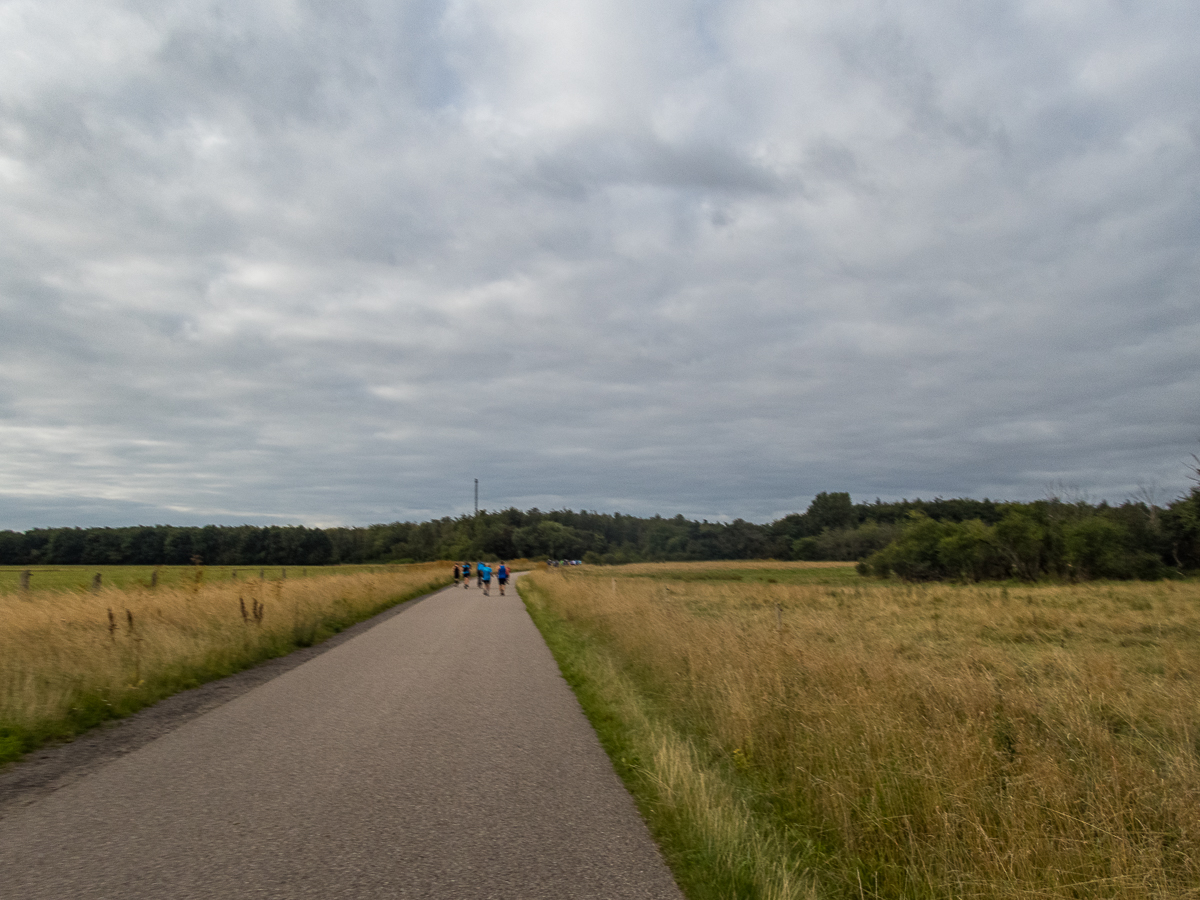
(1020, 539)
(1031, 541)
(846, 544)
(1181, 524)
(968, 551)
(914, 555)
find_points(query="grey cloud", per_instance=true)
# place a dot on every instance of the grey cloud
(331, 267)
(594, 162)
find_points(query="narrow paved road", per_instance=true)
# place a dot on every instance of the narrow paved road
(437, 755)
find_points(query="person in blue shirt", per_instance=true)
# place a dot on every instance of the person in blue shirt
(466, 570)
(485, 575)
(502, 577)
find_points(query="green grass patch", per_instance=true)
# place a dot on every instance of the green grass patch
(833, 576)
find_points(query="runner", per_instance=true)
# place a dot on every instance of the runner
(457, 574)
(485, 575)
(502, 576)
(478, 574)
(466, 575)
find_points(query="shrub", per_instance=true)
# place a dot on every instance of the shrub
(1019, 537)
(968, 551)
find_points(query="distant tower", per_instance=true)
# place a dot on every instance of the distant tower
(476, 496)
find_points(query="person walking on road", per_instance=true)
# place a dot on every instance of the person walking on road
(485, 574)
(502, 576)
(457, 574)
(466, 570)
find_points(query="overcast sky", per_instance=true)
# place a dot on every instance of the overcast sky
(328, 262)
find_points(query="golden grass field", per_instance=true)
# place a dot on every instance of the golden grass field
(71, 657)
(80, 578)
(796, 730)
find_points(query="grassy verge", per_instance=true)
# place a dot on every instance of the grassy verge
(856, 739)
(70, 660)
(698, 814)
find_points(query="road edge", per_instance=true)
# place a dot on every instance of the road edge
(55, 766)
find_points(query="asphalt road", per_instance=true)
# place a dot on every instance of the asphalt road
(439, 754)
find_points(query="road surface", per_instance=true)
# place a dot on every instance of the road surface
(438, 754)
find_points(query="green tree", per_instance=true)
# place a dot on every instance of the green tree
(1019, 536)
(66, 546)
(967, 550)
(1181, 524)
(12, 548)
(1094, 549)
(914, 555)
(830, 510)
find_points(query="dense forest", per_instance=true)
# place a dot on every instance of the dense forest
(831, 528)
(911, 539)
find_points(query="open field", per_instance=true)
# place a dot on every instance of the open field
(749, 571)
(80, 578)
(826, 735)
(71, 657)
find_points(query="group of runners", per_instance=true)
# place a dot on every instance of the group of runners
(483, 576)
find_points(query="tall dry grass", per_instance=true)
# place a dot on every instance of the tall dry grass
(71, 659)
(882, 740)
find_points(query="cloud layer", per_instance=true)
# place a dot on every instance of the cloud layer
(328, 262)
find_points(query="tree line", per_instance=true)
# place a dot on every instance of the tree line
(504, 534)
(913, 539)
(1048, 539)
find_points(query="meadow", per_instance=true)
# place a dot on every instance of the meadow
(80, 578)
(75, 652)
(799, 731)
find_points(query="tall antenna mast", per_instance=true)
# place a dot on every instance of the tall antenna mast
(476, 496)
